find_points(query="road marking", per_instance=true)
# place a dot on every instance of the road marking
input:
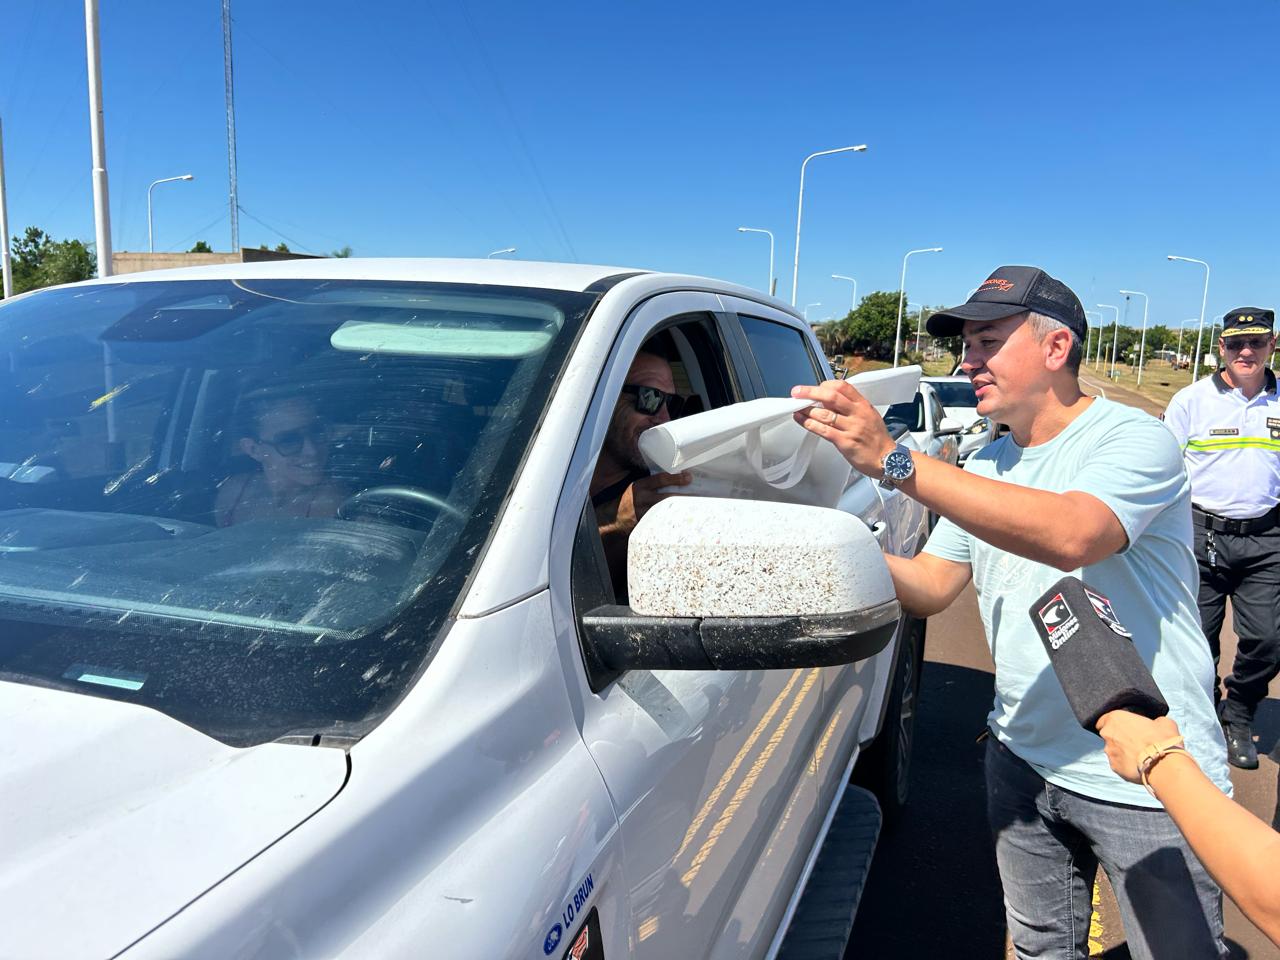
(1097, 386)
(1095, 925)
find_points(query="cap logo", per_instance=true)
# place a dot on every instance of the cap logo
(996, 283)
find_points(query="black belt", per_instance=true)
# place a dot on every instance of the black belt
(1238, 527)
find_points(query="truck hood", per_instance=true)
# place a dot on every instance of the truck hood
(116, 816)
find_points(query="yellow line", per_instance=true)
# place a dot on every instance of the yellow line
(749, 781)
(1095, 925)
(737, 762)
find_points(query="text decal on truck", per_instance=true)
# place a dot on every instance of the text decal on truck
(572, 907)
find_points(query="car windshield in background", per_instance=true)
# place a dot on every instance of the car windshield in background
(954, 393)
(252, 504)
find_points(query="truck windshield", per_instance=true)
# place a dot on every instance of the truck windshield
(252, 505)
(955, 393)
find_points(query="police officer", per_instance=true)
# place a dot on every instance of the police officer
(1229, 428)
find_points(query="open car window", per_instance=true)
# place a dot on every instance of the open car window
(252, 505)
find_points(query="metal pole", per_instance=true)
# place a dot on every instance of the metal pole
(151, 245)
(1142, 347)
(229, 81)
(795, 270)
(771, 285)
(902, 293)
(101, 203)
(1195, 371)
(919, 325)
(6, 267)
(1114, 339)
(853, 304)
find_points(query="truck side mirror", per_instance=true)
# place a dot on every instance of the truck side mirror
(746, 585)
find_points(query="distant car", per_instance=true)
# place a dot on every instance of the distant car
(925, 418)
(961, 404)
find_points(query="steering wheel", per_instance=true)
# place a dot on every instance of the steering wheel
(404, 506)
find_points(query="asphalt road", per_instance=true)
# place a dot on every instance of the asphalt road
(933, 890)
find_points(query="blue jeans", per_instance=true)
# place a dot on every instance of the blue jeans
(1049, 842)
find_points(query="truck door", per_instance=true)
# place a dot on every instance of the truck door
(710, 772)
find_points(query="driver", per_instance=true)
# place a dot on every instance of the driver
(622, 490)
(290, 443)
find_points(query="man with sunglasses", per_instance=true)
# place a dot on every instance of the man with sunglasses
(1229, 428)
(622, 490)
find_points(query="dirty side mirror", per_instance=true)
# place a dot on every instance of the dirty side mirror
(948, 427)
(746, 585)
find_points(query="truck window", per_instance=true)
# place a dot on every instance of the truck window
(782, 354)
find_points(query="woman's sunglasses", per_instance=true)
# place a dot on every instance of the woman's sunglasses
(649, 400)
(290, 443)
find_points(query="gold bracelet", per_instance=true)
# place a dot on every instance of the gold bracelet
(1153, 754)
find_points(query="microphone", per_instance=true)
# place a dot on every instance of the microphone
(1093, 654)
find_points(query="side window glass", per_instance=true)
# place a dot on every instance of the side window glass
(935, 410)
(782, 354)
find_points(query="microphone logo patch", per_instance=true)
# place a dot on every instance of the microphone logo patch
(1060, 623)
(1102, 607)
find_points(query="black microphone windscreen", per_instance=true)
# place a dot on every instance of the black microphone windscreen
(1093, 654)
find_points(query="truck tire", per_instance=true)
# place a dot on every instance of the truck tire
(884, 767)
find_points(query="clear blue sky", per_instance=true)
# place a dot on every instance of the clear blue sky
(1088, 138)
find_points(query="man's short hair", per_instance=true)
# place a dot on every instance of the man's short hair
(1041, 326)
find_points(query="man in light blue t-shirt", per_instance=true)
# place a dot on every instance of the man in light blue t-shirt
(1092, 488)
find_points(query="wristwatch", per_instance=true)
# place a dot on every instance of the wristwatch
(898, 467)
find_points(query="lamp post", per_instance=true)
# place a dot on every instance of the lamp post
(151, 244)
(1195, 372)
(1089, 338)
(1182, 327)
(498, 253)
(1142, 347)
(6, 268)
(902, 293)
(806, 310)
(919, 321)
(853, 304)
(795, 270)
(1115, 339)
(768, 287)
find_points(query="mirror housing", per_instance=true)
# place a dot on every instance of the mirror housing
(948, 426)
(746, 585)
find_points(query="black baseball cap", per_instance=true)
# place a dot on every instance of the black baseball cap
(1008, 292)
(1244, 320)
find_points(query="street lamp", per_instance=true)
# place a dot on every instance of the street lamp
(1182, 327)
(768, 287)
(498, 253)
(853, 304)
(919, 321)
(902, 293)
(795, 270)
(1142, 348)
(806, 310)
(151, 246)
(1089, 339)
(1115, 339)
(1195, 372)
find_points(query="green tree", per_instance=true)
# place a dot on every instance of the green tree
(870, 328)
(201, 247)
(41, 261)
(283, 248)
(341, 254)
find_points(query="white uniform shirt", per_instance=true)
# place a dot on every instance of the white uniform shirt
(1231, 445)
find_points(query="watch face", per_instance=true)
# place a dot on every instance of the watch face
(897, 465)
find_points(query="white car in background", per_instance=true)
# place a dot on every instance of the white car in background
(960, 403)
(924, 417)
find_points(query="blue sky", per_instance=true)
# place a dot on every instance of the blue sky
(1091, 138)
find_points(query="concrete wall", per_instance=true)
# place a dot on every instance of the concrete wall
(128, 262)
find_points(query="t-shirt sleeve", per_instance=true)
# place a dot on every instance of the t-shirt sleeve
(1136, 469)
(950, 542)
(1176, 419)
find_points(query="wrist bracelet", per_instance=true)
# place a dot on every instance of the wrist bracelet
(1153, 754)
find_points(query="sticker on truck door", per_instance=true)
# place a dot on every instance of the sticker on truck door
(572, 908)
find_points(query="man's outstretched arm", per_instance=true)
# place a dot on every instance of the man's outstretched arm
(926, 584)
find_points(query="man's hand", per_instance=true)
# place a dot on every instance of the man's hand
(1127, 735)
(643, 494)
(848, 421)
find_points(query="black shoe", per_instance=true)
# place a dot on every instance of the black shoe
(1240, 749)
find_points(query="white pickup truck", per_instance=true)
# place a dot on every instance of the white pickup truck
(306, 648)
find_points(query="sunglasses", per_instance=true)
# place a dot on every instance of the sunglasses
(649, 400)
(290, 443)
(1256, 344)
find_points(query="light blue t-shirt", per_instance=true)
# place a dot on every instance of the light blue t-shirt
(1129, 461)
